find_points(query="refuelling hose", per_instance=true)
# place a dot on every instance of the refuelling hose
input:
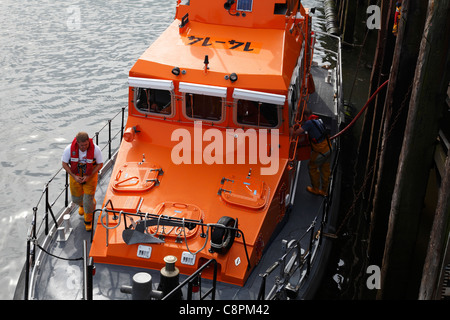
(360, 112)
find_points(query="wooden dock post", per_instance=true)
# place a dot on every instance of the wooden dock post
(434, 80)
(426, 105)
(372, 128)
(348, 28)
(383, 128)
(433, 261)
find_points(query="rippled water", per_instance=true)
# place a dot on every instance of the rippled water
(63, 68)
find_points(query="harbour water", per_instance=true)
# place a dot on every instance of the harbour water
(63, 68)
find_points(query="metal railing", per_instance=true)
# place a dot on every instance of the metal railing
(294, 258)
(194, 280)
(148, 219)
(34, 234)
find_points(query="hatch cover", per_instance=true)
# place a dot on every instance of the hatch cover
(248, 192)
(136, 177)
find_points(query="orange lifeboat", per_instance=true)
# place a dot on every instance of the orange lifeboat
(203, 169)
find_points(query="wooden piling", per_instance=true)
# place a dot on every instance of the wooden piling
(434, 259)
(416, 157)
(433, 80)
(348, 28)
(380, 73)
(384, 124)
(364, 178)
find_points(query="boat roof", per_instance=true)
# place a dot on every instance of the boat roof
(256, 50)
(267, 14)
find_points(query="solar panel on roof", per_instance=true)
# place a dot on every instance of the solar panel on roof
(244, 5)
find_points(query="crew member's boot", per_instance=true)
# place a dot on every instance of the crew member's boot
(314, 175)
(88, 216)
(314, 190)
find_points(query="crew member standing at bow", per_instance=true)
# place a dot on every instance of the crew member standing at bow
(319, 162)
(82, 159)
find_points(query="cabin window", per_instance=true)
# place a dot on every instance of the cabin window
(255, 108)
(198, 106)
(254, 113)
(153, 100)
(203, 101)
(280, 8)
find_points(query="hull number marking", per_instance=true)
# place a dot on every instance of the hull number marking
(230, 44)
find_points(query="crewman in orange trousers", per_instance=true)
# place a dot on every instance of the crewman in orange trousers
(82, 159)
(319, 162)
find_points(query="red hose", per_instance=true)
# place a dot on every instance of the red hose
(361, 111)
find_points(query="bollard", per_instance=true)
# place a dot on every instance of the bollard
(170, 277)
(141, 288)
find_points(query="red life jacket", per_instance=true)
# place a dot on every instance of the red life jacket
(74, 158)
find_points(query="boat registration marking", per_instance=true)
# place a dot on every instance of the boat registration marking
(187, 258)
(222, 43)
(144, 252)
